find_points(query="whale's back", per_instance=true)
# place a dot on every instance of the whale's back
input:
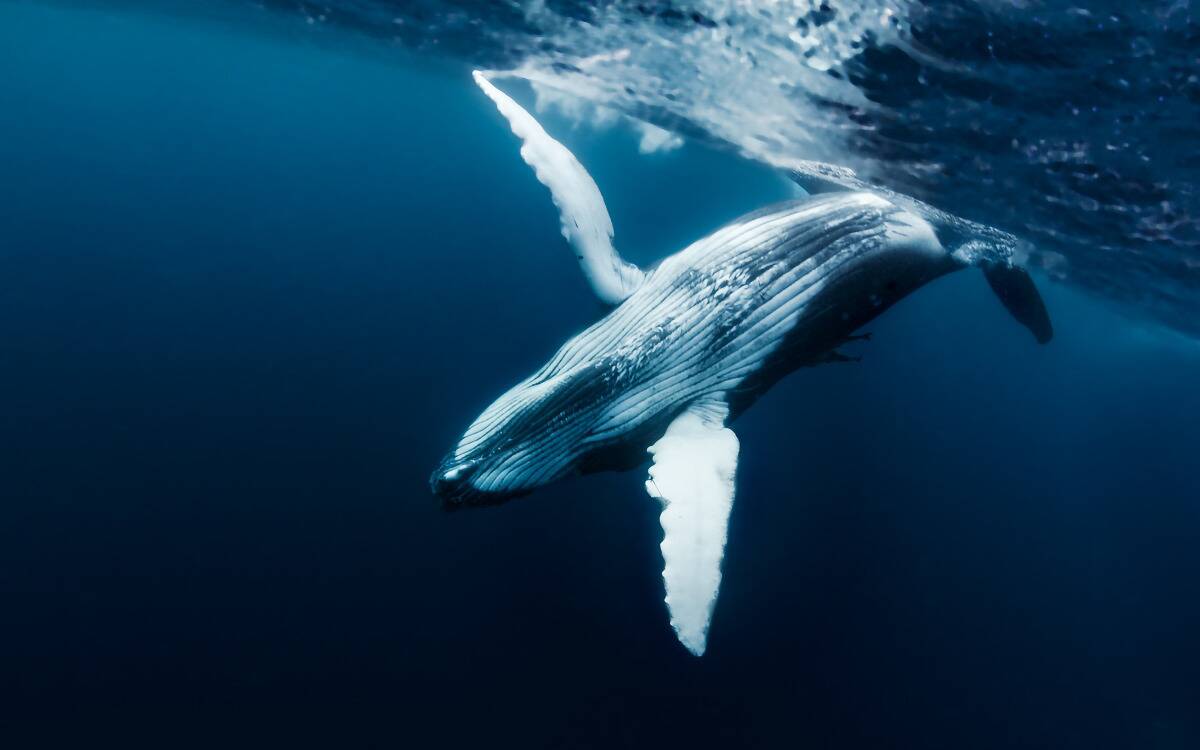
(717, 312)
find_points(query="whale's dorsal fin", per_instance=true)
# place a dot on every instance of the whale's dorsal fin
(695, 464)
(585, 220)
(818, 177)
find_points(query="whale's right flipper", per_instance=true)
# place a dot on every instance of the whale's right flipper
(585, 220)
(695, 464)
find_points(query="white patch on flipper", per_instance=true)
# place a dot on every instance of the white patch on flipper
(695, 465)
(581, 209)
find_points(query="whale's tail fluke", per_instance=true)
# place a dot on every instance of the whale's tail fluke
(1019, 295)
(969, 242)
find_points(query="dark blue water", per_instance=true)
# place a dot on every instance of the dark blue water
(252, 288)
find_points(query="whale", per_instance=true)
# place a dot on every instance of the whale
(687, 346)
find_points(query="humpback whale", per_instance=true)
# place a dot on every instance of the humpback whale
(689, 345)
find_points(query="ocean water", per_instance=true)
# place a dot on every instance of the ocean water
(257, 275)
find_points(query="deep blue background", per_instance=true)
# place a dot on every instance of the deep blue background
(252, 289)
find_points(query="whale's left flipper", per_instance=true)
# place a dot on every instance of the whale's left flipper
(695, 464)
(581, 209)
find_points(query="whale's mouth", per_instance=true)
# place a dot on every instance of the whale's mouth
(451, 483)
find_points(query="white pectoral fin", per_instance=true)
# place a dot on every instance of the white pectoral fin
(581, 209)
(695, 465)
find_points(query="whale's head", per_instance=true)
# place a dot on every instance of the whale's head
(540, 431)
